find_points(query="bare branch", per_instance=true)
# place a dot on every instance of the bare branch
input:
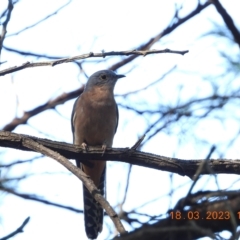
(2, 62)
(180, 224)
(51, 104)
(122, 214)
(151, 84)
(176, 22)
(38, 55)
(38, 199)
(19, 230)
(174, 165)
(145, 46)
(60, 100)
(40, 21)
(36, 146)
(228, 20)
(137, 144)
(19, 162)
(5, 23)
(88, 55)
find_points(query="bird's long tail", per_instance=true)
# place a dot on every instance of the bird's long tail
(93, 212)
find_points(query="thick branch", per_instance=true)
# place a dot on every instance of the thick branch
(174, 165)
(36, 146)
(88, 55)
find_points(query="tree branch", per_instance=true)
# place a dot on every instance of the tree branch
(228, 20)
(5, 23)
(24, 53)
(176, 22)
(88, 183)
(87, 55)
(174, 165)
(40, 21)
(173, 25)
(204, 214)
(51, 104)
(19, 230)
(38, 199)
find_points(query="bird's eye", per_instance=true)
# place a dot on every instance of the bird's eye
(103, 77)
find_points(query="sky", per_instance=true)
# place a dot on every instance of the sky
(81, 27)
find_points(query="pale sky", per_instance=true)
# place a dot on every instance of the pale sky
(79, 28)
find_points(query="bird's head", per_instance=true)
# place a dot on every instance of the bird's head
(103, 78)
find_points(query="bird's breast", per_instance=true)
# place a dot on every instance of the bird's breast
(96, 118)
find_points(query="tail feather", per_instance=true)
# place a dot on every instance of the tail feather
(93, 212)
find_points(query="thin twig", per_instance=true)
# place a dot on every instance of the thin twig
(137, 144)
(51, 104)
(5, 23)
(38, 199)
(40, 21)
(18, 230)
(88, 55)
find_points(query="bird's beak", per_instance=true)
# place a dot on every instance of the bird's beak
(120, 76)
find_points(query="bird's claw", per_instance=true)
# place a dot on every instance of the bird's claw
(104, 147)
(84, 146)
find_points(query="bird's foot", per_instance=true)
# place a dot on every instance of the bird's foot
(84, 146)
(104, 147)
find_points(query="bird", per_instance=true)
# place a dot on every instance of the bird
(94, 122)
